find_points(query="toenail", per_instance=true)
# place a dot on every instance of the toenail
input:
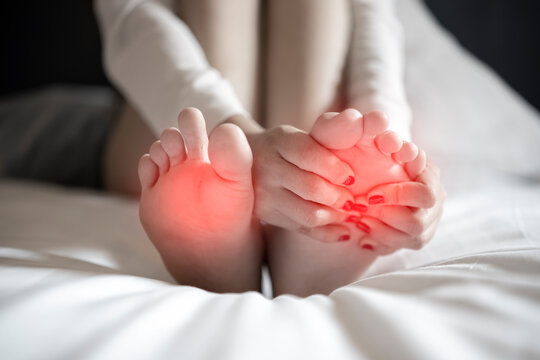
(359, 207)
(344, 238)
(348, 206)
(353, 218)
(364, 227)
(350, 180)
(376, 199)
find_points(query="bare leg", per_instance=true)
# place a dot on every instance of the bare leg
(228, 32)
(308, 44)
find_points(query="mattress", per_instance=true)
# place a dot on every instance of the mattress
(80, 280)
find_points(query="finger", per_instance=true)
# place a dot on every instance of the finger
(315, 158)
(407, 193)
(326, 233)
(382, 239)
(430, 177)
(428, 215)
(426, 237)
(401, 218)
(312, 187)
(306, 213)
(276, 218)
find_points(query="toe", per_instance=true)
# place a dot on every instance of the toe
(375, 123)
(416, 166)
(148, 172)
(159, 157)
(193, 128)
(338, 131)
(388, 142)
(408, 152)
(173, 144)
(230, 153)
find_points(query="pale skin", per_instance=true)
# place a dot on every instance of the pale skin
(286, 163)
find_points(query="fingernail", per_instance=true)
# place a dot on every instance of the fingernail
(344, 238)
(376, 199)
(349, 181)
(353, 218)
(368, 247)
(348, 206)
(359, 207)
(364, 227)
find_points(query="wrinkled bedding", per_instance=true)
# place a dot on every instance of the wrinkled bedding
(79, 279)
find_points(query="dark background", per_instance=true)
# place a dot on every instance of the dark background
(57, 41)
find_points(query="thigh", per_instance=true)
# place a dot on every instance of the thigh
(308, 42)
(228, 32)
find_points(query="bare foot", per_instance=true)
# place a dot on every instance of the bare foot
(377, 156)
(197, 202)
(303, 266)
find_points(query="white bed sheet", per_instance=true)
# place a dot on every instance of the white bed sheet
(79, 279)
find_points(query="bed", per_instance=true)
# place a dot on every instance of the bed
(80, 280)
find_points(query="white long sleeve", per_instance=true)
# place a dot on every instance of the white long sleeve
(156, 62)
(376, 63)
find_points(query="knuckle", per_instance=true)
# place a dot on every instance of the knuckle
(317, 191)
(309, 186)
(430, 198)
(332, 162)
(314, 218)
(417, 243)
(416, 226)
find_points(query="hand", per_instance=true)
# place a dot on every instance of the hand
(294, 179)
(408, 215)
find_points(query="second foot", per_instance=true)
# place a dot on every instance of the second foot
(376, 155)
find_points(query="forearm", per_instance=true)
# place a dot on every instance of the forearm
(376, 79)
(158, 65)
